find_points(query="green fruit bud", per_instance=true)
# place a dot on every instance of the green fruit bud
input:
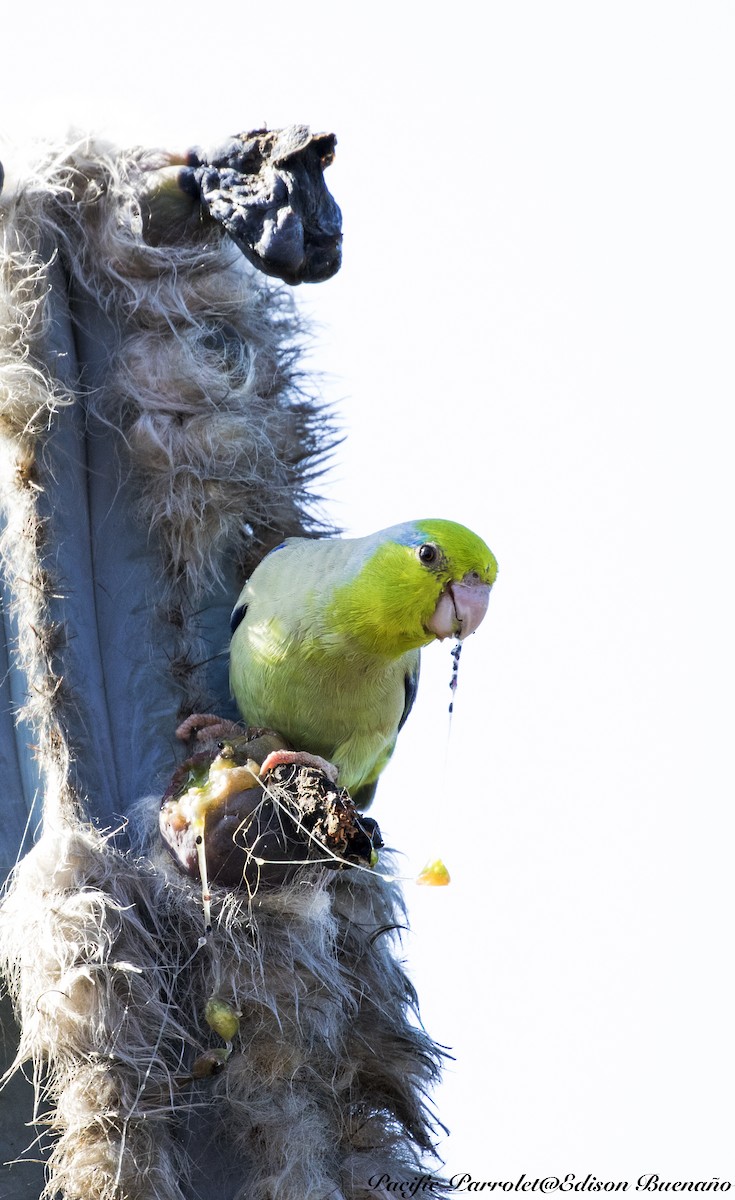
(222, 1018)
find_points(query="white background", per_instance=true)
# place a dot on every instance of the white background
(532, 333)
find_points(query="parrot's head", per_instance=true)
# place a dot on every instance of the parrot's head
(416, 582)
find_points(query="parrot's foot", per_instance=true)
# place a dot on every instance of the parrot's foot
(299, 758)
(208, 728)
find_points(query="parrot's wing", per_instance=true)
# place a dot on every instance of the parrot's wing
(364, 796)
(237, 615)
(412, 687)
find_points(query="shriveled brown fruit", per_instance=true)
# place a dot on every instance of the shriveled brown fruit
(255, 834)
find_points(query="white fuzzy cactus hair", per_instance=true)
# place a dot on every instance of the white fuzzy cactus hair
(158, 434)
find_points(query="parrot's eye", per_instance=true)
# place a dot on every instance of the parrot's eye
(428, 553)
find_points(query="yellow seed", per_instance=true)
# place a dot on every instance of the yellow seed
(434, 874)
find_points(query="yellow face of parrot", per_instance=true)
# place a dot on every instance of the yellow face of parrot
(422, 580)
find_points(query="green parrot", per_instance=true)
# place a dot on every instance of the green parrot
(327, 635)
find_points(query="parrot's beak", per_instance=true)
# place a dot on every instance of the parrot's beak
(461, 607)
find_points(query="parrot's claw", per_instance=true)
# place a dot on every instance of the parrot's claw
(299, 758)
(207, 728)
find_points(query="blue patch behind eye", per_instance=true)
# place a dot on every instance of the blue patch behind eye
(408, 534)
